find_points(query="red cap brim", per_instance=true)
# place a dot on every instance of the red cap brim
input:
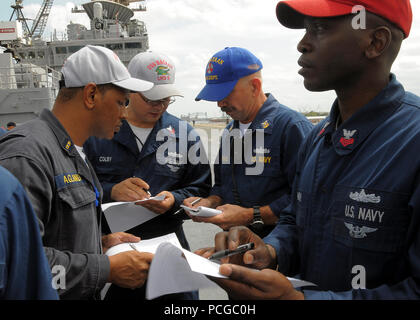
(291, 13)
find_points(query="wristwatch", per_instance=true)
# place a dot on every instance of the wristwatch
(257, 221)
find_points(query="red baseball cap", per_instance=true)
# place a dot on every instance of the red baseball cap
(290, 13)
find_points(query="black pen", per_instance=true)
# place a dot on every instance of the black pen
(145, 190)
(133, 247)
(227, 253)
(192, 203)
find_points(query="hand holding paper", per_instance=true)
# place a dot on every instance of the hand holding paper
(116, 238)
(251, 284)
(174, 269)
(224, 216)
(149, 245)
(178, 270)
(201, 211)
(141, 250)
(157, 204)
(156, 198)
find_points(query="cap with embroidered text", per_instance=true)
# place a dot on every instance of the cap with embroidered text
(291, 13)
(224, 70)
(158, 69)
(101, 66)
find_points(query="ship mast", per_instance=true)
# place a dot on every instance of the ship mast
(41, 20)
(17, 9)
(39, 23)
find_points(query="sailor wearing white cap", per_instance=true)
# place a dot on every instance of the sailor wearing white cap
(46, 156)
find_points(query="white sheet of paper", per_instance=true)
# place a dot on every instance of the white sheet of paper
(202, 211)
(178, 270)
(122, 216)
(149, 245)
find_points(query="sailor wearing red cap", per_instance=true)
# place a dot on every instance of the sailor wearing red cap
(353, 225)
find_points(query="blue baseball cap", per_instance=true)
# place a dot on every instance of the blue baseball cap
(224, 70)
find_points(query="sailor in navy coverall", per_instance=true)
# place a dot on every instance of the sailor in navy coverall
(153, 149)
(284, 131)
(253, 182)
(353, 225)
(119, 159)
(357, 203)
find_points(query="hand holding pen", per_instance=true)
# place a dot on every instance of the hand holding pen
(227, 253)
(261, 256)
(148, 192)
(130, 189)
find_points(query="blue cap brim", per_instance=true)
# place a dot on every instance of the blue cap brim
(216, 91)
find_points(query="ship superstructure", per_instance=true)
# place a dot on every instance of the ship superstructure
(29, 67)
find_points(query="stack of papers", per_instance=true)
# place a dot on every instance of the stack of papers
(174, 269)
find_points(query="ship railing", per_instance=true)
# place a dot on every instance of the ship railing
(28, 76)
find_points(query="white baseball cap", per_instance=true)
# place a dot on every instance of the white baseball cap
(156, 68)
(101, 66)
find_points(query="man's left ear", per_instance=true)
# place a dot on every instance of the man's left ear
(380, 39)
(89, 92)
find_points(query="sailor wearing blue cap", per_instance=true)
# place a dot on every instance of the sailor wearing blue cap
(234, 81)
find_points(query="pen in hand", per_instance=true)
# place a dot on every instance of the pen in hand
(192, 203)
(133, 247)
(145, 190)
(227, 253)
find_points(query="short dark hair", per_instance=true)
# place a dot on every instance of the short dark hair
(66, 94)
(375, 21)
(11, 124)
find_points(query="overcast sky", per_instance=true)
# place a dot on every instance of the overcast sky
(191, 31)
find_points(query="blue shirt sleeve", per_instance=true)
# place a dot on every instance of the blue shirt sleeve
(24, 269)
(283, 238)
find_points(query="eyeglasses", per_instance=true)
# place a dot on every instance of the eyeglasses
(164, 102)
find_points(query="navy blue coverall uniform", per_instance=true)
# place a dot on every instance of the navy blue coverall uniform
(65, 195)
(24, 269)
(356, 204)
(284, 131)
(119, 159)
